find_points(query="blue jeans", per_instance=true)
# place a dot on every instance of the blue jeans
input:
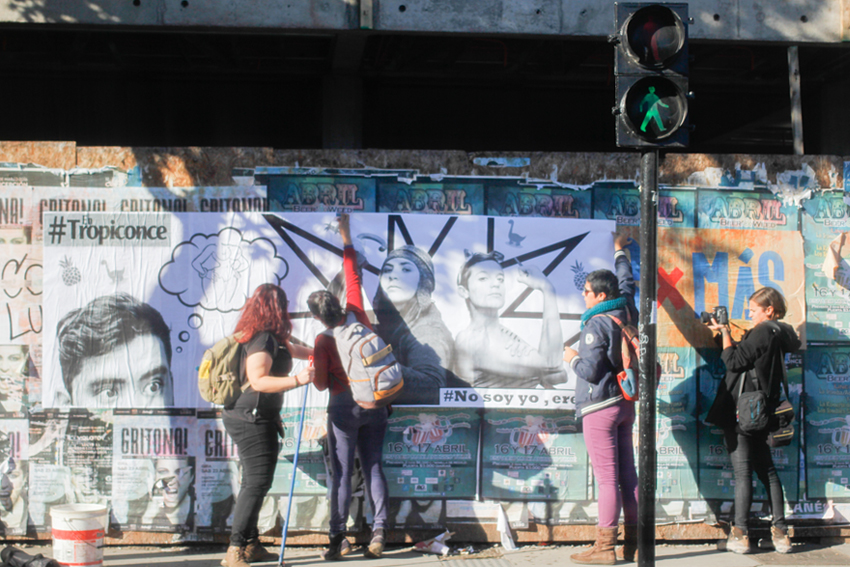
(258, 448)
(748, 453)
(351, 428)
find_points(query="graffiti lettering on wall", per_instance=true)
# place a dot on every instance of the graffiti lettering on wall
(722, 209)
(621, 203)
(506, 199)
(699, 270)
(321, 194)
(439, 198)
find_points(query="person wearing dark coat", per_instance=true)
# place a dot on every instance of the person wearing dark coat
(762, 349)
(607, 417)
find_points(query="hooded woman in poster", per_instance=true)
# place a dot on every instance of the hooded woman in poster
(409, 320)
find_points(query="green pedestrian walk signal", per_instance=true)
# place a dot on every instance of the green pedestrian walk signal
(651, 72)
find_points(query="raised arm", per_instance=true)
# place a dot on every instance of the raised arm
(551, 339)
(353, 284)
(623, 267)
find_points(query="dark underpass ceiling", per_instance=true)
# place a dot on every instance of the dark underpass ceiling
(473, 93)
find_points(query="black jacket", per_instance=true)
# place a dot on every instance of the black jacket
(762, 348)
(599, 358)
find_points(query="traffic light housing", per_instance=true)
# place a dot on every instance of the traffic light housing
(651, 75)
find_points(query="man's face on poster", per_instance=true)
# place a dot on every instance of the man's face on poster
(12, 479)
(13, 362)
(15, 235)
(399, 280)
(134, 374)
(84, 482)
(485, 287)
(174, 477)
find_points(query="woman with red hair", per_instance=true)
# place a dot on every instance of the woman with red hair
(253, 420)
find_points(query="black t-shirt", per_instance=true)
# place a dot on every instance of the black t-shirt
(256, 406)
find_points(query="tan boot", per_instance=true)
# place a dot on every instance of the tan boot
(602, 552)
(781, 541)
(628, 552)
(376, 545)
(738, 541)
(235, 557)
(256, 553)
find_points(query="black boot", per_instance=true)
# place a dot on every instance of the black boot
(338, 547)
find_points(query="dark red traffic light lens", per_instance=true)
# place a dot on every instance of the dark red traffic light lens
(654, 36)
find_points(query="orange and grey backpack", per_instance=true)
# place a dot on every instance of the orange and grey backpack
(374, 375)
(630, 351)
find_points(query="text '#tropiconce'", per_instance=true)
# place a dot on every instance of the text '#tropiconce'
(85, 231)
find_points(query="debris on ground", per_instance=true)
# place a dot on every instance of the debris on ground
(436, 545)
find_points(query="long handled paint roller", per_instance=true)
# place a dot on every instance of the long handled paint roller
(294, 472)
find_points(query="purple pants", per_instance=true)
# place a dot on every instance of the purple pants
(608, 436)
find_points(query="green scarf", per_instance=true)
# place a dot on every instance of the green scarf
(602, 307)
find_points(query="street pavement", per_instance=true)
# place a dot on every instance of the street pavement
(808, 554)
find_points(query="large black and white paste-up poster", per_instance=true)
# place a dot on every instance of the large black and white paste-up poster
(20, 304)
(219, 474)
(49, 477)
(477, 309)
(154, 469)
(70, 460)
(14, 470)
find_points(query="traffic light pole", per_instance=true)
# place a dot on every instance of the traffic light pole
(647, 381)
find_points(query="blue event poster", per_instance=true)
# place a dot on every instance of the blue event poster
(311, 477)
(513, 200)
(309, 194)
(431, 453)
(620, 202)
(744, 210)
(827, 421)
(535, 455)
(676, 432)
(825, 222)
(451, 197)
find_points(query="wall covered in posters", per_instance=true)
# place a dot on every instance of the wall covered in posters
(498, 264)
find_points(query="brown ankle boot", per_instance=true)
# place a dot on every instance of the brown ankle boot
(235, 557)
(738, 541)
(602, 552)
(256, 553)
(628, 552)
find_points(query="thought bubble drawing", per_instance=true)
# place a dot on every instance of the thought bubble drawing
(220, 271)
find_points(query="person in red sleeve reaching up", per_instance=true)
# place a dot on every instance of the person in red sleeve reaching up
(350, 427)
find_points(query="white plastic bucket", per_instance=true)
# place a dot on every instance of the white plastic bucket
(78, 531)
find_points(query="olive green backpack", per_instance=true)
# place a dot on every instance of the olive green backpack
(219, 379)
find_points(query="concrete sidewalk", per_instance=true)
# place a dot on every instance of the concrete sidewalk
(668, 555)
